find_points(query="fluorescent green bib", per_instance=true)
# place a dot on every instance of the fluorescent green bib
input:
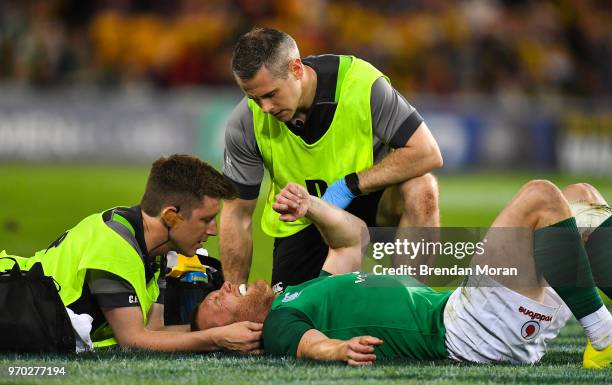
(346, 146)
(92, 244)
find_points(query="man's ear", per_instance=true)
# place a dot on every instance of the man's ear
(170, 217)
(296, 67)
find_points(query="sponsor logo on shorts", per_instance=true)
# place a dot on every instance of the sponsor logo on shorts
(530, 330)
(535, 316)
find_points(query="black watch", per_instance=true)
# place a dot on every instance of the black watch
(352, 182)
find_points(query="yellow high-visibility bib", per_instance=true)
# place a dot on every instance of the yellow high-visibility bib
(346, 146)
(93, 244)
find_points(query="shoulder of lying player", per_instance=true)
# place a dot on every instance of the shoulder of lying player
(283, 330)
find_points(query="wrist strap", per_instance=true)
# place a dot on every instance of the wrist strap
(352, 182)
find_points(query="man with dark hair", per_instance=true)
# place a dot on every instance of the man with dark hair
(359, 317)
(328, 123)
(108, 265)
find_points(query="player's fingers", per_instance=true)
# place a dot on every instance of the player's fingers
(289, 196)
(287, 193)
(361, 348)
(369, 340)
(280, 208)
(357, 357)
(279, 198)
(255, 336)
(287, 218)
(255, 352)
(360, 357)
(297, 190)
(251, 348)
(356, 345)
(358, 363)
(255, 345)
(289, 201)
(255, 326)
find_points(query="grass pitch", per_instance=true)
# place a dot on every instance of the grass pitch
(562, 365)
(40, 202)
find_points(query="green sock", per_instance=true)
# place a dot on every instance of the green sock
(599, 250)
(560, 256)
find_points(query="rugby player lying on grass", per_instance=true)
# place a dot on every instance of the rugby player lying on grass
(358, 318)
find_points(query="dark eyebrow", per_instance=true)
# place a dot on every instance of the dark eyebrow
(269, 93)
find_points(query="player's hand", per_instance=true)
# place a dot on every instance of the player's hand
(359, 351)
(292, 202)
(244, 337)
(338, 194)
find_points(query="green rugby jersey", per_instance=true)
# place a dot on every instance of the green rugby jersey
(407, 315)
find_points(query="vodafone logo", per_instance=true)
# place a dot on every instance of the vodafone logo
(533, 315)
(530, 330)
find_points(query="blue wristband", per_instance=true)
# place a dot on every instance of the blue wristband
(338, 194)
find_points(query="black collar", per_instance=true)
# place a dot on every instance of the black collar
(323, 108)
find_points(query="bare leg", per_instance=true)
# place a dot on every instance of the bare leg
(560, 255)
(413, 203)
(538, 204)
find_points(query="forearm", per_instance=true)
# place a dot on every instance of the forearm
(326, 350)
(420, 156)
(156, 321)
(127, 325)
(236, 246)
(339, 228)
(399, 166)
(315, 345)
(175, 328)
(158, 325)
(356, 351)
(172, 341)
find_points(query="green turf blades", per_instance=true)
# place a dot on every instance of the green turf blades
(561, 365)
(29, 221)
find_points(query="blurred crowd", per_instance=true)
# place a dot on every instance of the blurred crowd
(427, 46)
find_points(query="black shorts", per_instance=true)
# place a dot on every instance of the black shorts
(300, 257)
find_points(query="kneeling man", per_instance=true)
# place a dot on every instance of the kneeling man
(108, 266)
(358, 317)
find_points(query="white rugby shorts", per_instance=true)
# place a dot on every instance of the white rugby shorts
(487, 322)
